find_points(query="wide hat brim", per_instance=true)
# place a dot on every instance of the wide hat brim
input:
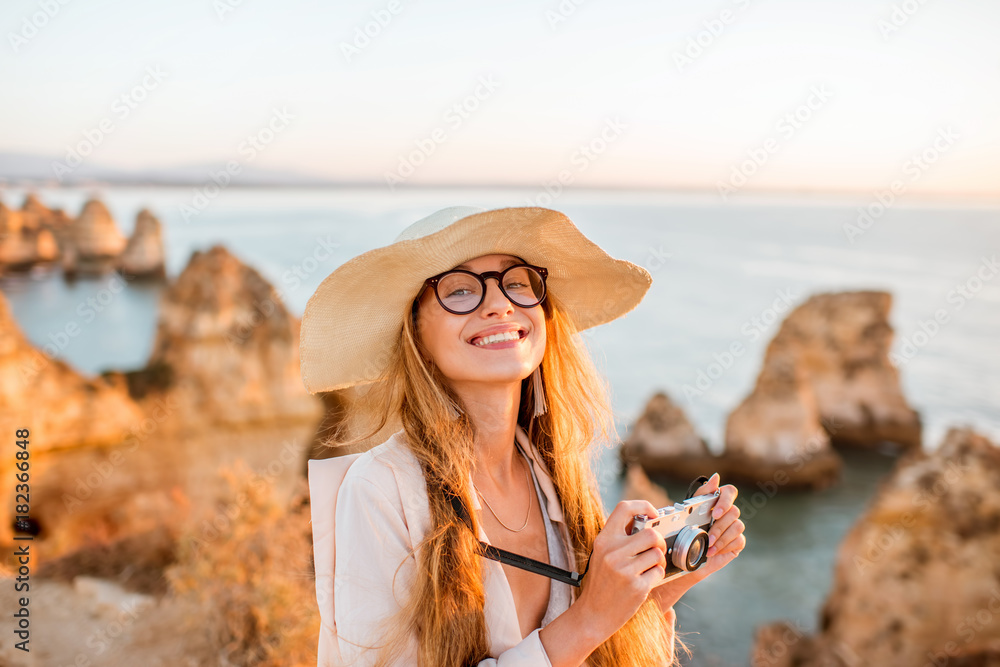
(352, 322)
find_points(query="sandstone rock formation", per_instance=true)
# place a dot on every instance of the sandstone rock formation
(845, 340)
(785, 448)
(227, 347)
(917, 580)
(89, 245)
(94, 242)
(60, 407)
(840, 344)
(28, 236)
(826, 380)
(143, 255)
(41, 216)
(118, 455)
(663, 441)
(15, 249)
(775, 435)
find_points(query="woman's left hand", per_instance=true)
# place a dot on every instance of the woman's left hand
(725, 542)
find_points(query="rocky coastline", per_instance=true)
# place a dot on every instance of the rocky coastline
(826, 382)
(114, 455)
(36, 236)
(917, 580)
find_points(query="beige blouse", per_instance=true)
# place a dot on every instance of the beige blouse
(363, 529)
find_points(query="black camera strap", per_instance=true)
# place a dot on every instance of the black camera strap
(530, 564)
(513, 559)
(695, 485)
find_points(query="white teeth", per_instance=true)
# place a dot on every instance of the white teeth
(496, 338)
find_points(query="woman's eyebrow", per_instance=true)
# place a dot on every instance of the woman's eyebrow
(504, 264)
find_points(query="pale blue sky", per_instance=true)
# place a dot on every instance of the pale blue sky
(557, 87)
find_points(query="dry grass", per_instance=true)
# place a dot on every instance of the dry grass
(248, 565)
(137, 562)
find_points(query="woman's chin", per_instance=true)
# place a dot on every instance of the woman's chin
(501, 374)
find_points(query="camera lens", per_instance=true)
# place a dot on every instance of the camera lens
(689, 548)
(696, 550)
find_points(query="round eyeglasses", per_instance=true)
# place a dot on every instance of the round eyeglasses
(461, 292)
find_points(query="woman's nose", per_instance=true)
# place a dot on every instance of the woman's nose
(495, 301)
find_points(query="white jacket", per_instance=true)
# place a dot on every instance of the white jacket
(368, 511)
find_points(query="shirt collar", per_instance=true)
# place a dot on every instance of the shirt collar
(544, 480)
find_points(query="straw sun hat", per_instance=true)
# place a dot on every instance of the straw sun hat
(352, 321)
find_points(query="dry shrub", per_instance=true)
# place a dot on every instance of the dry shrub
(248, 566)
(136, 562)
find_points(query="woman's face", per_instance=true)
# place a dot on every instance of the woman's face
(454, 342)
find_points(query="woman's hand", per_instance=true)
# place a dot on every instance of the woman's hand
(725, 542)
(623, 570)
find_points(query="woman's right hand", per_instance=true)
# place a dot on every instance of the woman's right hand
(623, 569)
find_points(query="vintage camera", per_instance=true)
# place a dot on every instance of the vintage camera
(685, 527)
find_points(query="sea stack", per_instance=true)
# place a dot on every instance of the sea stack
(228, 347)
(840, 343)
(29, 236)
(826, 380)
(16, 251)
(775, 436)
(143, 255)
(95, 242)
(664, 442)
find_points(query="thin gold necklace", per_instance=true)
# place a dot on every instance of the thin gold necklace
(526, 516)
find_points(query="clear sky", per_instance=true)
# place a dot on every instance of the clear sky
(753, 94)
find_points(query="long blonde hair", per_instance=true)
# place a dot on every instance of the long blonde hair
(445, 610)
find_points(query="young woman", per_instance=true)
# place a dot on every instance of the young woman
(465, 332)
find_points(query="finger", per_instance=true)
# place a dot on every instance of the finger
(727, 496)
(722, 524)
(650, 558)
(647, 538)
(624, 514)
(710, 486)
(734, 548)
(725, 541)
(653, 577)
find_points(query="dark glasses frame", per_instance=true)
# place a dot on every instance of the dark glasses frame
(433, 281)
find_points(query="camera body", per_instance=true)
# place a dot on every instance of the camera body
(685, 527)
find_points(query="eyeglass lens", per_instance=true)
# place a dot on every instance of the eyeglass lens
(463, 292)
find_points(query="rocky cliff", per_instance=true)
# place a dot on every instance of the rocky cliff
(839, 346)
(61, 408)
(120, 454)
(917, 580)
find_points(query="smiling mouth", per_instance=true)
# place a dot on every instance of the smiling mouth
(508, 336)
